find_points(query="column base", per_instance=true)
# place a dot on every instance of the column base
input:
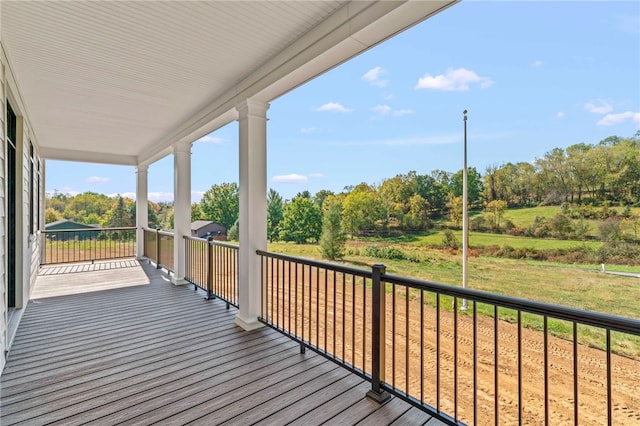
(179, 281)
(248, 324)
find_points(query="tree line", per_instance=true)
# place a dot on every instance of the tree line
(106, 211)
(602, 174)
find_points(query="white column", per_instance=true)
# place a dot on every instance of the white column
(142, 212)
(253, 209)
(181, 207)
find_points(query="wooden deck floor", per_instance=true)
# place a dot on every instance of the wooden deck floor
(122, 345)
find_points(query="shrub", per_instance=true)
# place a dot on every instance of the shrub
(391, 253)
(449, 240)
(478, 223)
(560, 226)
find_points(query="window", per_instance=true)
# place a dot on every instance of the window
(34, 192)
(32, 173)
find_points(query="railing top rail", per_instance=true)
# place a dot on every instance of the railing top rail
(214, 242)
(597, 319)
(123, 228)
(159, 231)
(326, 265)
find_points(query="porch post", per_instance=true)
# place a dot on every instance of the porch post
(253, 209)
(181, 207)
(142, 212)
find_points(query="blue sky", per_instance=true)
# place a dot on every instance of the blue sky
(533, 76)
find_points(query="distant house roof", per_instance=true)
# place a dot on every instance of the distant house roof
(199, 224)
(68, 224)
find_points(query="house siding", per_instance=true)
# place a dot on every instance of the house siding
(3, 308)
(28, 244)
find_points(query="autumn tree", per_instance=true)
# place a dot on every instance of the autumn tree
(496, 209)
(361, 209)
(455, 211)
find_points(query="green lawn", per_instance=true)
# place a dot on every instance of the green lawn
(434, 238)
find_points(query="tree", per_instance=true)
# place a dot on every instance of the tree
(302, 221)
(634, 222)
(474, 184)
(418, 215)
(455, 211)
(221, 204)
(52, 215)
(496, 209)
(333, 239)
(320, 197)
(233, 234)
(196, 212)
(361, 209)
(275, 212)
(610, 230)
(117, 216)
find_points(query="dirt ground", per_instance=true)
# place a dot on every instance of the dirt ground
(447, 374)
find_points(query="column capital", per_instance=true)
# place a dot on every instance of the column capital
(142, 168)
(182, 146)
(252, 108)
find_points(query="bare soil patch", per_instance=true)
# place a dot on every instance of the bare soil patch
(434, 358)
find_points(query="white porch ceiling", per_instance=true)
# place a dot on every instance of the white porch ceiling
(120, 82)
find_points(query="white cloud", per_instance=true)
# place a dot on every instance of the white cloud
(401, 112)
(373, 77)
(560, 114)
(381, 109)
(387, 110)
(308, 130)
(536, 64)
(210, 139)
(156, 197)
(292, 178)
(97, 179)
(598, 106)
(613, 119)
(453, 80)
(333, 106)
(389, 97)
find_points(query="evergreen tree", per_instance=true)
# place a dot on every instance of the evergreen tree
(333, 239)
(275, 212)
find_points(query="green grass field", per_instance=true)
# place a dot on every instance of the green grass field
(524, 217)
(434, 238)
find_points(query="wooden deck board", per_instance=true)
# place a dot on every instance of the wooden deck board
(117, 343)
(394, 409)
(413, 417)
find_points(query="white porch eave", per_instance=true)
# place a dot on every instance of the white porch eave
(120, 82)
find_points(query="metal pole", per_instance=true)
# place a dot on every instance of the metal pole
(465, 218)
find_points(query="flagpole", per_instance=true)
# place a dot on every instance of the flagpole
(465, 219)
